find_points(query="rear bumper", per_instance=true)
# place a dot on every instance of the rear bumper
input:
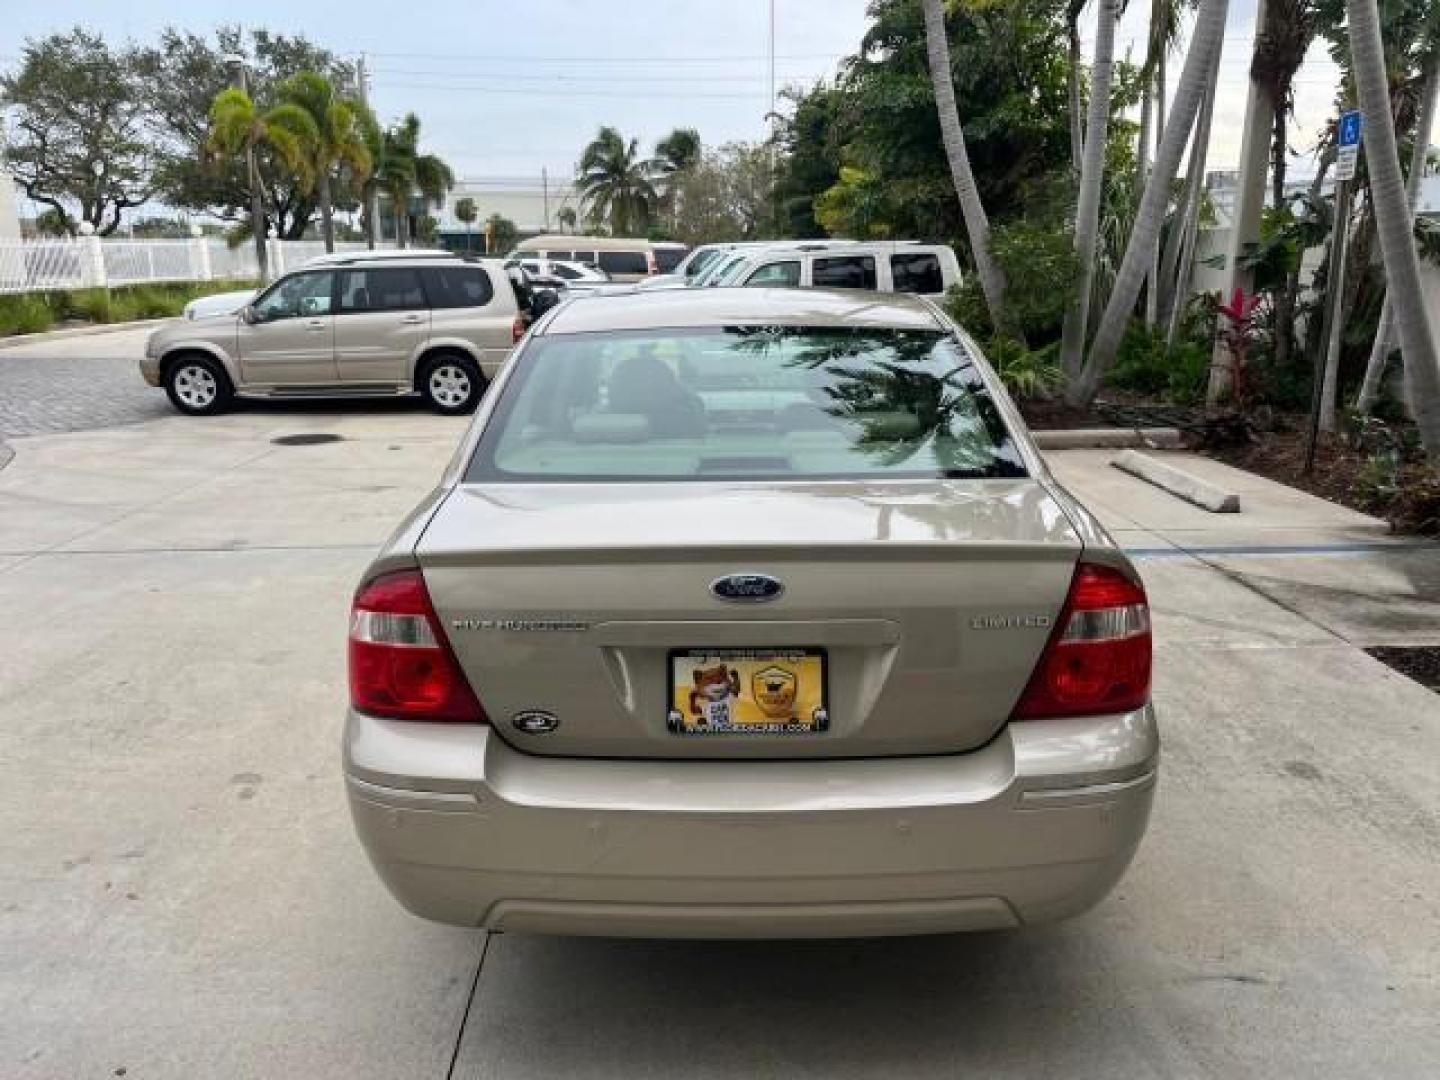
(1038, 825)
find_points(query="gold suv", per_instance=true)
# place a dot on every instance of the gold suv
(361, 326)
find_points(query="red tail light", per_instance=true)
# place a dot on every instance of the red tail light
(1098, 658)
(517, 329)
(401, 665)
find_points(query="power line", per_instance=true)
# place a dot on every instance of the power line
(638, 95)
(712, 58)
(647, 79)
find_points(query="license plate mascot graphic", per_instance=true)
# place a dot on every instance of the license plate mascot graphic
(713, 699)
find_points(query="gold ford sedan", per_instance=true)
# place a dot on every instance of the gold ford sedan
(749, 613)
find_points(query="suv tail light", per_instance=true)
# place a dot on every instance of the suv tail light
(517, 329)
(401, 665)
(1098, 657)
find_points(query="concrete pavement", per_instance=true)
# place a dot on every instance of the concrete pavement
(181, 896)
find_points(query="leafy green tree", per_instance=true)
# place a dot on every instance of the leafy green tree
(338, 143)
(78, 141)
(182, 73)
(616, 184)
(809, 140)
(727, 195)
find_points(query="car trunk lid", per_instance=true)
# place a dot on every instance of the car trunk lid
(930, 601)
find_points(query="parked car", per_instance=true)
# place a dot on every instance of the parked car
(885, 266)
(226, 303)
(749, 613)
(623, 259)
(352, 325)
(572, 275)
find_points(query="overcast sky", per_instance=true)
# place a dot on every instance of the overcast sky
(504, 89)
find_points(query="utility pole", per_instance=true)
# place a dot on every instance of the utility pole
(239, 79)
(545, 199)
(774, 206)
(372, 200)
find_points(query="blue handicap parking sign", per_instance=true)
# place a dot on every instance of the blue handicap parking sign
(1350, 128)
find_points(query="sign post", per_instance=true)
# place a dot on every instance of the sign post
(1347, 145)
(1327, 359)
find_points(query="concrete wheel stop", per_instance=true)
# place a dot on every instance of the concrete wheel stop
(1177, 482)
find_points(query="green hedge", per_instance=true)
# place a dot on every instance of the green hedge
(30, 313)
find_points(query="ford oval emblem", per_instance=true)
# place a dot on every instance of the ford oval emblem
(535, 722)
(751, 588)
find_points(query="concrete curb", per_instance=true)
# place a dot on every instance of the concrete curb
(1161, 438)
(1179, 483)
(15, 340)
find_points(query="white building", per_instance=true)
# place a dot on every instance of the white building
(531, 202)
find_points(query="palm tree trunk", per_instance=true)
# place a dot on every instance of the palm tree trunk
(977, 226)
(1077, 132)
(1385, 333)
(327, 211)
(1393, 222)
(1179, 264)
(1152, 283)
(1092, 178)
(1205, 40)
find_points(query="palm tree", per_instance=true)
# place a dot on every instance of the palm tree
(339, 138)
(616, 184)
(977, 225)
(466, 212)
(1393, 224)
(675, 155)
(1073, 11)
(1205, 41)
(1281, 43)
(1385, 332)
(238, 128)
(404, 170)
(374, 137)
(1092, 177)
(1179, 262)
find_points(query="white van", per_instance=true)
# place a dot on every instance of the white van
(884, 266)
(624, 259)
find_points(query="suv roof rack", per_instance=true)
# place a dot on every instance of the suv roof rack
(419, 256)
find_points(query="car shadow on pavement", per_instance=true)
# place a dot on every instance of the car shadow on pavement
(883, 1007)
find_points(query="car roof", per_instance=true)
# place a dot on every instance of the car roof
(397, 258)
(730, 307)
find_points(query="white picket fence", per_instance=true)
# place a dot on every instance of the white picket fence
(90, 261)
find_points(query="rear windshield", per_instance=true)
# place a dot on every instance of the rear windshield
(667, 258)
(624, 262)
(745, 403)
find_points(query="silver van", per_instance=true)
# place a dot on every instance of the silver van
(624, 259)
